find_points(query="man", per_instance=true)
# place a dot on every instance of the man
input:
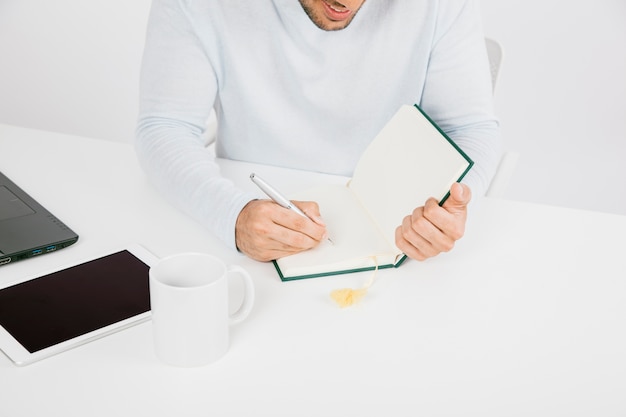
(308, 84)
(331, 15)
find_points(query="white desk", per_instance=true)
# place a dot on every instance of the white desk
(527, 316)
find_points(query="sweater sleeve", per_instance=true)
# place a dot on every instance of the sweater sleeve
(458, 91)
(177, 90)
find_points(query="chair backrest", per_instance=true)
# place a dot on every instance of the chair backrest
(494, 52)
(504, 172)
(508, 161)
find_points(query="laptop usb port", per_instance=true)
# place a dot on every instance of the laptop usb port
(37, 252)
(5, 261)
(51, 248)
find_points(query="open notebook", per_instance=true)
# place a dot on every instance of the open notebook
(409, 161)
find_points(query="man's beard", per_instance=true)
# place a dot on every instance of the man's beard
(320, 21)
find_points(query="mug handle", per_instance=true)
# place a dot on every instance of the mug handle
(248, 299)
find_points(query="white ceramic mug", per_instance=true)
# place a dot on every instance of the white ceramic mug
(190, 314)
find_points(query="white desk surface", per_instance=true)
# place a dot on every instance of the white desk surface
(526, 316)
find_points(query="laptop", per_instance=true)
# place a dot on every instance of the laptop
(27, 229)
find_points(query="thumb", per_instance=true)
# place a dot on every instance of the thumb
(460, 196)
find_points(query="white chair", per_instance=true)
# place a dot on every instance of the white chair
(494, 53)
(211, 129)
(508, 161)
(504, 172)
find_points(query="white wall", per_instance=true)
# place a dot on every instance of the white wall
(72, 66)
(561, 99)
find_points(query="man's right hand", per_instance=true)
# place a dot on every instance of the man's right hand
(266, 231)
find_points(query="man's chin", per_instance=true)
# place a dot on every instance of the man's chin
(325, 22)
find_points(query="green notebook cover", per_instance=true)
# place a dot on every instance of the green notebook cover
(410, 160)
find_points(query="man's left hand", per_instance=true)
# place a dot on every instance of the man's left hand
(432, 229)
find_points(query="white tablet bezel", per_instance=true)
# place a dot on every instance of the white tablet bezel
(20, 356)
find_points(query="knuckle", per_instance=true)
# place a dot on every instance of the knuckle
(447, 246)
(300, 241)
(300, 222)
(429, 252)
(256, 228)
(261, 229)
(264, 210)
(308, 207)
(419, 224)
(430, 210)
(311, 206)
(457, 233)
(418, 255)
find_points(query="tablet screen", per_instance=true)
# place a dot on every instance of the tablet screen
(63, 305)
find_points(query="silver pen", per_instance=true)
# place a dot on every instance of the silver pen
(278, 198)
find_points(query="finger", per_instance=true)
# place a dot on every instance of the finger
(312, 210)
(414, 247)
(294, 222)
(261, 234)
(442, 220)
(420, 222)
(418, 232)
(460, 196)
(289, 236)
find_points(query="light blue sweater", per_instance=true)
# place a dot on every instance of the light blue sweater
(289, 94)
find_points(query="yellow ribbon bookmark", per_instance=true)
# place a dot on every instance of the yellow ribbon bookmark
(346, 297)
